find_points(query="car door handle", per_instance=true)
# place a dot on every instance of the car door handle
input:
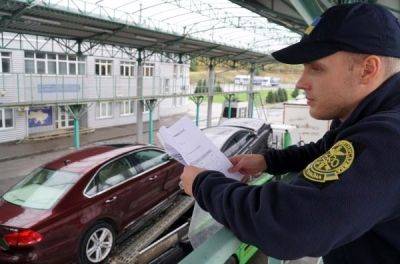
(111, 199)
(153, 178)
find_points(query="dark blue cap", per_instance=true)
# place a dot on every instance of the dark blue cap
(358, 28)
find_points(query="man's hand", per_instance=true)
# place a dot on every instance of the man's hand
(187, 178)
(248, 165)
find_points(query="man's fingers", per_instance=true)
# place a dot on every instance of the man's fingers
(235, 168)
(234, 160)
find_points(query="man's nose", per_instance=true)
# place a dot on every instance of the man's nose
(303, 83)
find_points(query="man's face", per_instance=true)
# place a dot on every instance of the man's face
(330, 86)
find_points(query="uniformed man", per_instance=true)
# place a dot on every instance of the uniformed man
(345, 202)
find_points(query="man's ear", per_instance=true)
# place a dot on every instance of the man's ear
(371, 68)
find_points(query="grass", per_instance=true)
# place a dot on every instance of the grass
(243, 96)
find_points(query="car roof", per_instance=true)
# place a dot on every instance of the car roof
(219, 134)
(84, 160)
(249, 123)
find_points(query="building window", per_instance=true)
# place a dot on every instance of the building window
(103, 67)
(127, 68)
(6, 118)
(127, 108)
(65, 119)
(5, 65)
(148, 70)
(50, 63)
(105, 109)
(166, 86)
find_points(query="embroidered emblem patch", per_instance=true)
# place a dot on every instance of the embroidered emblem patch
(334, 162)
(311, 27)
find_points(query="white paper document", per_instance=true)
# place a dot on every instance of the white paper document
(187, 143)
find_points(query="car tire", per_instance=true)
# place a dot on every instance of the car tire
(97, 244)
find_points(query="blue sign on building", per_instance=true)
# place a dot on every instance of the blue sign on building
(40, 117)
(58, 88)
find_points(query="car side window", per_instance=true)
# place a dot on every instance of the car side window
(110, 175)
(237, 141)
(149, 158)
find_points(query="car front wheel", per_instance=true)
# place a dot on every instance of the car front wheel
(97, 243)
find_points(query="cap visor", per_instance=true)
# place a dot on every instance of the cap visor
(303, 52)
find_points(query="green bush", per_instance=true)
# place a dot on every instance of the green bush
(295, 93)
(269, 99)
(202, 87)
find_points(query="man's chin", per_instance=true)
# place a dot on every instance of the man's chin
(318, 115)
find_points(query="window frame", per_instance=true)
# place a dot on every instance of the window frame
(108, 66)
(140, 173)
(131, 108)
(59, 59)
(125, 66)
(9, 58)
(148, 69)
(3, 119)
(96, 179)
(109, 106)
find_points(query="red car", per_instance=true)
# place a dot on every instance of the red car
(73, 208)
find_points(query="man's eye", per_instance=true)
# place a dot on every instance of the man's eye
(316, 68)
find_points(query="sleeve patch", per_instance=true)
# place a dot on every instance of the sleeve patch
(327, 167)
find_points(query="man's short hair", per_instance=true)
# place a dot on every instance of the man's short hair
(391, 65)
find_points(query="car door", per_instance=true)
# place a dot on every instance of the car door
(109, 188)
(152, 172)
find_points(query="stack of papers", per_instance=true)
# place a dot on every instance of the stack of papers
(187, 144)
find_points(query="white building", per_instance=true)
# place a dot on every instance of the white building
(43, 77)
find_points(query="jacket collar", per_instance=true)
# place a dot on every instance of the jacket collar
(385, 97)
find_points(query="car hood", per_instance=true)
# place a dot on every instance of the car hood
(20, 217)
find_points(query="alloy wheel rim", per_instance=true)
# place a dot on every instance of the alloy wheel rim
(99, 245)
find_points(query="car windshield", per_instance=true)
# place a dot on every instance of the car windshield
(41, 189)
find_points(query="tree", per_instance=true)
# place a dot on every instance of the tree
(275, 98)
(200, 88)
(295, 93)
(285, 95)
(218, 88)
(205, 84)
(280, 96)
(269, 99)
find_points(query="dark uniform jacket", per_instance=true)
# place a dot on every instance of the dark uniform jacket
(343, 205)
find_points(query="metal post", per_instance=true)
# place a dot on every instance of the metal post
(140, 105)
(250, 106)
(211, 83)
(76, 132)
(197, 100)
(197, 114)
(151, 104)
(75, 110)
(229, 99)
(151, 132)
